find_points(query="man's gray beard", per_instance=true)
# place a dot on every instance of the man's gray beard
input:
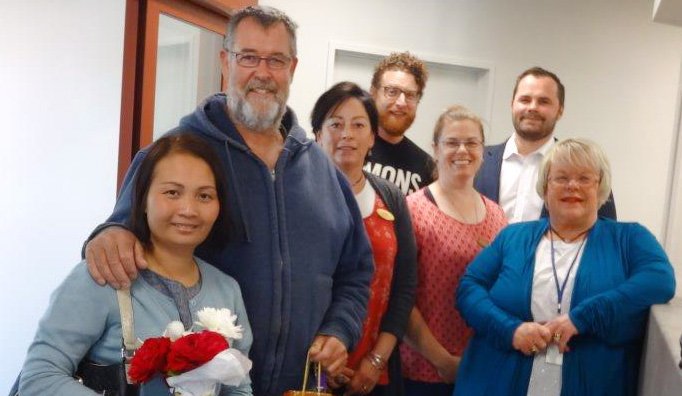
(244, 113)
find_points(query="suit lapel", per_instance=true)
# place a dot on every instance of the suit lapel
(488, 179)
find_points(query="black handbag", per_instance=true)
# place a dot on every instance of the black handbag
(108, 380)
(112, 379)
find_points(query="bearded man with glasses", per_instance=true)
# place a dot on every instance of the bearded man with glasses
(297, 245)
(397, 87)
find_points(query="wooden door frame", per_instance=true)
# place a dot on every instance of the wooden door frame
(139, 62)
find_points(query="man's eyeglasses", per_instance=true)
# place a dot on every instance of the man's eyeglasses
(392, 93)
(455, 144)
(273, 62)
(582, 181)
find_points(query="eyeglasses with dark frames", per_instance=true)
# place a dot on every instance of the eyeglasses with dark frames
(391, 92)
(250, 60)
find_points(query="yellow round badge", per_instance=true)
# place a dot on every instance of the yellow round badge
(385, 214)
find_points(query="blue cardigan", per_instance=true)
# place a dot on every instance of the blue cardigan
(623, 271)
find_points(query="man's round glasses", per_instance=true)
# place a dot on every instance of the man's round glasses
(455, 144)
(273, 62)
(392, 93)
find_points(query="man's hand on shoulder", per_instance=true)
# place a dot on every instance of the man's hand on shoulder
(114, 256)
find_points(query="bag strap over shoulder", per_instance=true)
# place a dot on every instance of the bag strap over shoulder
(130, 344)
(125, 306)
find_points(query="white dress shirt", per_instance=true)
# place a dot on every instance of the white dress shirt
(518, 197)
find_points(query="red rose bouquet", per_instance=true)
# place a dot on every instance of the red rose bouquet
(194, 363)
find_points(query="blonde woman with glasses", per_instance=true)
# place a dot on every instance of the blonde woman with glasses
(559, 305)
(452, 222)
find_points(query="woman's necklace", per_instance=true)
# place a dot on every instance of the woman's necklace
(360, 179)
(480, 240)
(461, 215)
(568, 240)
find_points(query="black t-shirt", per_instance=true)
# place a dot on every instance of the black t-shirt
(404, 164)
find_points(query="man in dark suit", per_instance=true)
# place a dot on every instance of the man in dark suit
(510, 169)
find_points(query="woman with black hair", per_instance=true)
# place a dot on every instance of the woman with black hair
(345, 123)
(177, 206)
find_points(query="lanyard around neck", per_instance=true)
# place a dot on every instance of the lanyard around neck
(561, 288)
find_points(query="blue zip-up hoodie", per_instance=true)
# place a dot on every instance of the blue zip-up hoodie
(298, 250)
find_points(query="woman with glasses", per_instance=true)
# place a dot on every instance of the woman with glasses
(345, 123)
(452, 222)
(559, 305)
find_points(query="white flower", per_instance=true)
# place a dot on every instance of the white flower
(229, 367)
(174, 330)
(221, 321)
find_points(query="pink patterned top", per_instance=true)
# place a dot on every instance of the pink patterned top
(445, 248)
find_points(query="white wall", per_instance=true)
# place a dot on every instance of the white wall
(621, 71)
(60, 78)
(60, 74)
